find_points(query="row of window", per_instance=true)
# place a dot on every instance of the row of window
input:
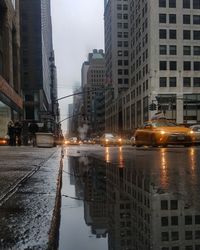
(187, 4)
(187, 50)
(187, 65)
(173, 82)
(187, 34)
(174, 221)
(172, 18)
(175, 235)
(189, 247)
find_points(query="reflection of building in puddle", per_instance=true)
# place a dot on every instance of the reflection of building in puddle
(95, 205)
(144, 217)
(124, 204)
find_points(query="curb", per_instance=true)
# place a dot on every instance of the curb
(55, 222)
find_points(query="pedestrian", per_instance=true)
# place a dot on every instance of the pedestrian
(33, 129)
(11, 133)
(18, 133)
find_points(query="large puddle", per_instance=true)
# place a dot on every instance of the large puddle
(129, 206)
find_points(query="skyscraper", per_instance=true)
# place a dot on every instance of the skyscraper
(116, 59)
(38, 67)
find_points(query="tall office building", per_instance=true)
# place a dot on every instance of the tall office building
(116, 17)
(164, 65)
(164, 61)
(11, 103)
(38, 68)
(93, 84)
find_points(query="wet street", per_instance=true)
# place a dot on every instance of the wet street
(121, 198)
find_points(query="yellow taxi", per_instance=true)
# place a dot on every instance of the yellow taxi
(162, 133)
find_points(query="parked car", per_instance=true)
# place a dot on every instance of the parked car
(72, 141)
(196, 130)
(163, 133)
(109, 139)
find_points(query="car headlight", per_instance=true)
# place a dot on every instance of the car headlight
(162, 132)
(106, 140)
(191, 132)
(119, 139)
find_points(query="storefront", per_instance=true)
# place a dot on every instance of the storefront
(11, 106)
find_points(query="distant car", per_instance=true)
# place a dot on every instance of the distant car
(162, 133)
(132, 140)
(196, 130)
(72, 141)
(109, 139)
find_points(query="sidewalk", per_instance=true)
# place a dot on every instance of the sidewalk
(28, 187)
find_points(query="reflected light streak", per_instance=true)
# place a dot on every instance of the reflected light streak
(121, 158)
(107, 156)
(192, 159)
(163, 168)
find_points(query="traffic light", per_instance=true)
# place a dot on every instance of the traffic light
(152, 106)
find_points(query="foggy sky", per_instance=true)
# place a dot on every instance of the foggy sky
(77, 30)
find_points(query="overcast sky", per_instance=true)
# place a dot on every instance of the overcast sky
(77, 30)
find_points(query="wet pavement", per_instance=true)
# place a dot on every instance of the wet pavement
(28, 190)
(115, 198)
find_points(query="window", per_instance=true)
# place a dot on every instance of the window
(172, 18)
(197, 234)
(187, 65)
(196, 81)
(196, 19)
(186, 82)
(197, 219)
(188, 235)
(174, 236)
(162, 34)
(164, 203)
(186, 19)
(172, 65)
(163, 83)
(162, 18)
(120, 62)
(172, 34)
(188, 220)
(163, 65)
(174, 220)
(188, 247)
(196, 35)
(196, 4)
(172, 3)
(186, 4)
(163, 49)
(162, 3)
(172, 83)
(172, 49)
(119, 7)
(164, 221)
(186, 50)
(119, 16)
(173, 203)
(196, 50)
(186, 35)
(165, 236)
(196, 66)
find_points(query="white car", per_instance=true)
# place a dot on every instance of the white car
(109, 139)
